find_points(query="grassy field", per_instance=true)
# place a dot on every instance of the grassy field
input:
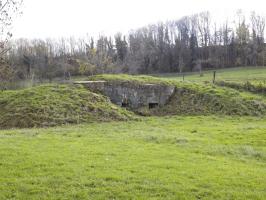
(241, 74)
(156, 158)
(251, 79)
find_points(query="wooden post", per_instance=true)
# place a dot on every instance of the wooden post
(214, 76)
(183, 77)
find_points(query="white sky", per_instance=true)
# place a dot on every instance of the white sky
(56, 18)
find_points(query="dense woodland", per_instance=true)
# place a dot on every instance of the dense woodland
(192, 43)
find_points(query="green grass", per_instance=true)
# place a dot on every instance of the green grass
(200, 98)
(254, 86)
(137, 79)
(250, 79)
(241, 74)
(204, 157)
(51, 105)
(168, 157)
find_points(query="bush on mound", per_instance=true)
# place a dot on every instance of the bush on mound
(51, 105)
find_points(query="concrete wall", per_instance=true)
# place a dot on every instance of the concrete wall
(133, 95)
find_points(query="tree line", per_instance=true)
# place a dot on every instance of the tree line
(192, 43)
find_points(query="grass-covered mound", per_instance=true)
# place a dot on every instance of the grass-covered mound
(257, 87)
(197, 98)
(51, 105)
(134, 79)
(209, 99)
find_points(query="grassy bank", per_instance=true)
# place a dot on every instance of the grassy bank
(51, 105)
(192, 98)
(205, 99)
(255, 87)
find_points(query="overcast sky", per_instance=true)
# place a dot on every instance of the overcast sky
(56, 18)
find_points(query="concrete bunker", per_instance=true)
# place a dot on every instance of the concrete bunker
(131, 94)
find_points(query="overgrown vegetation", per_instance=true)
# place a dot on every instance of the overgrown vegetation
(197, 98)
(203, 99)
(254, 87)
(51, 105)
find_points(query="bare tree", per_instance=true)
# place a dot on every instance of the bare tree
(8, 9)
(190, 43)
(258, 31)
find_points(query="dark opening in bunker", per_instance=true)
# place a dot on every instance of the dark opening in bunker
(124, 105)
(153, 105)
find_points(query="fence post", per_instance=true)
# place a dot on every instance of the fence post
(183, 77)
(214, 76)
